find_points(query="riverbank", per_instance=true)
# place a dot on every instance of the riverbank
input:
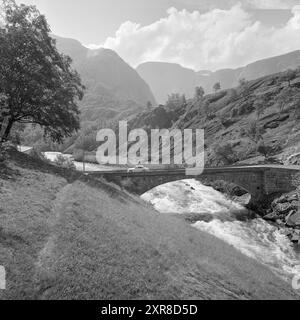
(284, 212)
(67, 236)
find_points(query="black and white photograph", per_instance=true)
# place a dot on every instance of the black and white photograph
(149, 151)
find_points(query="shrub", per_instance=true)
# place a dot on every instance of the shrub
(263, 149)
(226, 122)
(3, 152)
(226, 154)
(288, 76)
(232, 95)
(5, 147)
(3, 156)
(217, 86)
(211, 116)
(254, 132)
(244, 86)
(199, 93)
(64, 162)
(246, 108)
(259, 106)
(288, 96)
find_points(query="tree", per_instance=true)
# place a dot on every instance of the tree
(226, 154)
(175, 100)
(242, 82)
(288, 95)
(254, 132)
(199, 93)
(63, 161)
(263, 149)
(217, 86)
(244, 85)
(206, 107)
(38, 82)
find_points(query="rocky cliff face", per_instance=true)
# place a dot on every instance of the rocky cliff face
(165, 78)
(271, 105)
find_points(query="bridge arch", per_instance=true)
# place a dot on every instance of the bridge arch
(260, 181)
(219, 187)
(141, 185)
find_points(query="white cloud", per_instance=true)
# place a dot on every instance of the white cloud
(212, 40)
(272, 4)
(257, 4)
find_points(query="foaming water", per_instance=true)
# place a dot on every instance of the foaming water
(253, 237)
(190, 196)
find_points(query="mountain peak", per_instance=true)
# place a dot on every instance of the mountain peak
(111, 83)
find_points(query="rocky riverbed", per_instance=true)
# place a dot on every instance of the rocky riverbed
(285, 213)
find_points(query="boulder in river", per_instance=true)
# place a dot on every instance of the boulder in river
(293, 219)
(284, 208)
(296, 238)
(285, 198)
(271, 217)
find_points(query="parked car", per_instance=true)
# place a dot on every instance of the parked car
(138, 168)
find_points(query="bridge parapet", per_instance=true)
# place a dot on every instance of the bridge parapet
(280, 180)
(259, 181)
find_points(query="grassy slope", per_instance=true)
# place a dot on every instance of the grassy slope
(64, 237)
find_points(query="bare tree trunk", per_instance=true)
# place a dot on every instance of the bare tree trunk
(5, 133)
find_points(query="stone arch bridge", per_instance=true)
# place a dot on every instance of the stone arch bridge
(261, 181)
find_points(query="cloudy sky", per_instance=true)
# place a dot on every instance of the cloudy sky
(199, 34)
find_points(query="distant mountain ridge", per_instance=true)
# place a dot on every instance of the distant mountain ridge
(166, 78)
(113, 87)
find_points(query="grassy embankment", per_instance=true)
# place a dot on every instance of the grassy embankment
(66, 236)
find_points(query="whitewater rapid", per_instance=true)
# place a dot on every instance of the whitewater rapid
(228, 221)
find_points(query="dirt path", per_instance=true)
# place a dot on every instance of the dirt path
(43, 265)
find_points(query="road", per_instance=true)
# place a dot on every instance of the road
(159, 172)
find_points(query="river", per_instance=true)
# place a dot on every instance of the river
(228, 221)
(224, 219)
